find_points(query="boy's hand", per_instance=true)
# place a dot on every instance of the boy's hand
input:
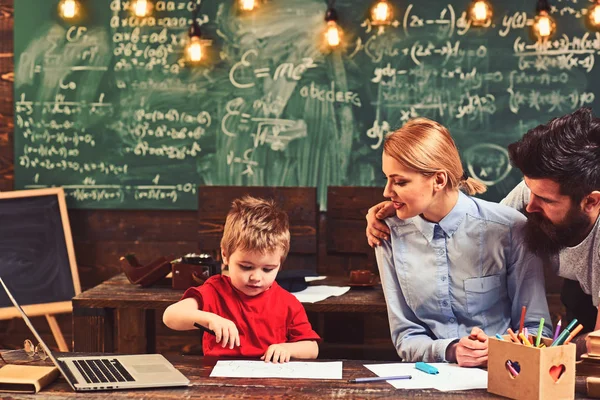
(278, 353)
(225, 331)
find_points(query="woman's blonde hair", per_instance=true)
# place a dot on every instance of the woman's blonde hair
(256, 225)
(426, 146)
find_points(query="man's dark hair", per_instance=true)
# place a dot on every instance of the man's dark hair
(565, 150)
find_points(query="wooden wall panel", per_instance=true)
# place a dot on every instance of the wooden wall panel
(6, 95)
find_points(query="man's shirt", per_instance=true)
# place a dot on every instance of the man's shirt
(471, 269)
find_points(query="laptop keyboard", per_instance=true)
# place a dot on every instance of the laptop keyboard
(103, 370)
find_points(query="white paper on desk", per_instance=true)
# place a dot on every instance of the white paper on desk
(451, 376)
(314, 278)
(312, 294)
(292, 369)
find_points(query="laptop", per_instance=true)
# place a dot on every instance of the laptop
(108, 372)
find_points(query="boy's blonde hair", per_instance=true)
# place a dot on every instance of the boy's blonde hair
(426, 146)
(255, 224)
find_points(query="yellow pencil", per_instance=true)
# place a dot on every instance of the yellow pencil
(524, 339)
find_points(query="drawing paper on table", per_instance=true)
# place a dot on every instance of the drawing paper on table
(292, 369)
(450, 377)
(313, 294)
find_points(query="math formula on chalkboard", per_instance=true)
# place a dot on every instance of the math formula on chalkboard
(109, 109)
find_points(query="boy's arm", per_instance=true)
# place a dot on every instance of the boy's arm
(282, 352)
(182, 315)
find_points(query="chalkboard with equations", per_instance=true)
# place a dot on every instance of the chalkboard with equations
(109, 109)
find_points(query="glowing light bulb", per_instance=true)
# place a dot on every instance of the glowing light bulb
(247, 5)
(194, 49)
(594, 15)
(141, 8)
(68, 8)
(480, 10)
(333, 34)
(381, 13)
(544, 25)
(480, 13)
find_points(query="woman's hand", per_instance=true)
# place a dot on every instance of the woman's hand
(470, 351)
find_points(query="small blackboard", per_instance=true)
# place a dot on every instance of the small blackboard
(37, 260)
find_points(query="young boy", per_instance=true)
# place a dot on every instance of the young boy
(250, 314)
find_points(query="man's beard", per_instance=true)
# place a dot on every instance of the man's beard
(545, 238)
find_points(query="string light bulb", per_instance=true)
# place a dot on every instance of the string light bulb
(247, 5)
(193, 48)
(333, 33)
(594, 15)
(480, 13)
(382, 13)
(68, 9)
(543, 24)
(141, 8)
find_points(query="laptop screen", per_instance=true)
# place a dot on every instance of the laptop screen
(36, 334)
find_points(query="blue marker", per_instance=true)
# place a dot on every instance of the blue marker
(429, 369)
(499, 336)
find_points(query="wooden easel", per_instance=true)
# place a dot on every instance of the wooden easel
(49, 310)
(57, 333)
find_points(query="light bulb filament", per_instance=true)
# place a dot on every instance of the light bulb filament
(141, 8)
(247, 5)
(595, 15)
(69, 8)
(332, 34)
(194, 49)
(480, 11)
(544, 26)
(380, 12)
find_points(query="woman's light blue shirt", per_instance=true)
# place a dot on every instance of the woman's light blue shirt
(471, 269)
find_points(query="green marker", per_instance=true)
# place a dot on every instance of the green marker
(539, 333)
(564, 334)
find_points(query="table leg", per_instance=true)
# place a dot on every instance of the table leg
(93, 329)
(131, 331)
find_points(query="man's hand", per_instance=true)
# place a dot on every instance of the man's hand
(278, 353)
(376, 229)
(470, 351)
(225, 331)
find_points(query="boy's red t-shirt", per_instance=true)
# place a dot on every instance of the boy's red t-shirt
(272, 317)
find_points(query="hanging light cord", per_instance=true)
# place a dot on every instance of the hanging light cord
(542, 5)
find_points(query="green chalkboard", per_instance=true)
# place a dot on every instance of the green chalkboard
(108, 109)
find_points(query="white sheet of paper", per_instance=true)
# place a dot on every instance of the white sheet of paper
(312, 294)
(451, 376)
(290, 370)
(314, 278)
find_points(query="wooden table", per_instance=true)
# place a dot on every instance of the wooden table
(117, 316)
(197, 369)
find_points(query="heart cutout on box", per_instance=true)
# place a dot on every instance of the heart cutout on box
(513, 368)
(556, 371)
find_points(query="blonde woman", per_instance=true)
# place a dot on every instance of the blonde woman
(454, 269)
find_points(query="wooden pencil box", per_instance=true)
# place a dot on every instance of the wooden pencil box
(545, 373)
